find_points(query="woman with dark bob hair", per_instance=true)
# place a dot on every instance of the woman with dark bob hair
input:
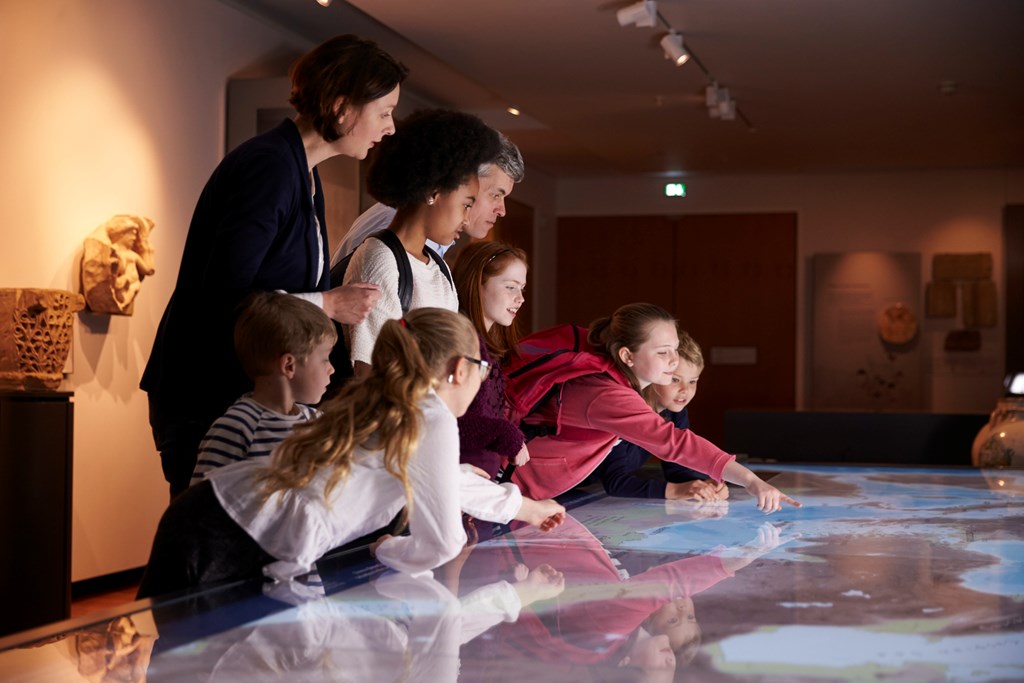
(427, 171)
(259, 226)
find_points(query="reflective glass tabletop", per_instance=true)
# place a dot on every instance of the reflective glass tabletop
(885, 574)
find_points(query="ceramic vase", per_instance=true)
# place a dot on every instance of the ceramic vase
(1000, 443)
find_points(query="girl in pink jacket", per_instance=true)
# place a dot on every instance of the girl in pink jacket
(639, 344)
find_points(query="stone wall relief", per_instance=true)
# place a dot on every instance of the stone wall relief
(35, 336)
(116, 258)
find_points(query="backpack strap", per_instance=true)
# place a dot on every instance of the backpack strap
(401, 261)
(404, 269)
(441, 263)
(340, 357)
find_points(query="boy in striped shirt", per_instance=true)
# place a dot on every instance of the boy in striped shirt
(283, 344)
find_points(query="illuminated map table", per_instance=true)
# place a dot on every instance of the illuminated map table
(884, 574)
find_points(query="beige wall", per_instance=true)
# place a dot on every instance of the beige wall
(925, 212)
(112, 106)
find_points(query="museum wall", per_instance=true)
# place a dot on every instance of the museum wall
(927, 212)
(109, 107)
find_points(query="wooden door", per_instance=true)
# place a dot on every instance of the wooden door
(729, 279)
(735, 293)
(605, 262)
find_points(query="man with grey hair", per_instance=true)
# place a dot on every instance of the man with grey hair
(496, 181)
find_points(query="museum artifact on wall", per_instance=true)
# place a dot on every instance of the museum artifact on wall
(967, 277)
(116, 258)
(35, 336)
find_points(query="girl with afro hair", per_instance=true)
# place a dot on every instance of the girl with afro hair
(426, 171)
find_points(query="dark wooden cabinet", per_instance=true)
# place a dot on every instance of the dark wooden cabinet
(36, 437)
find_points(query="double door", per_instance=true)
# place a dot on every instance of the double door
(730, 280)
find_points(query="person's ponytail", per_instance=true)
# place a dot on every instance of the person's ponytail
(380, 411)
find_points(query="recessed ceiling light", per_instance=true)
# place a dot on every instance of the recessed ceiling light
(513, 111)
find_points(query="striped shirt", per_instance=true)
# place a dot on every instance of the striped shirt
(247, 430)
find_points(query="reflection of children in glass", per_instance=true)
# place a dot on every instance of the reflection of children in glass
(607, 617)
(618, 471)
(396, 628)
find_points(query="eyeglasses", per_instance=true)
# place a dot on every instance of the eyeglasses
(485, 367)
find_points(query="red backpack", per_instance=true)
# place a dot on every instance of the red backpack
(542, 362)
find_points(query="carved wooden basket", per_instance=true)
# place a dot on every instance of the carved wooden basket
(35, 336)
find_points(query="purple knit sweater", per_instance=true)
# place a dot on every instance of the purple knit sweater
(486, 437)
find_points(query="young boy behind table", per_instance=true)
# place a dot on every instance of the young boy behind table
(283, 343)
(618, 471)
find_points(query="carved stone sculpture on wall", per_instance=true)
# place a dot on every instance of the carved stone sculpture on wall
(35, 336)
(116, 257)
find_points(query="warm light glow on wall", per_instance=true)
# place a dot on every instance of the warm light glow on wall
(85, 155)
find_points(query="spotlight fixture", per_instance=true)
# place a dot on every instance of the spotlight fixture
(672, 44)
(727, 110)
(324, 3)
(720, 104)
(711, 95)
(641, 14)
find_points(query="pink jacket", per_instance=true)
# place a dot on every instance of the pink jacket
(592, 413)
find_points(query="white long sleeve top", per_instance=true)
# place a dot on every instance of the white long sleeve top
(298, 526)
(374, 262)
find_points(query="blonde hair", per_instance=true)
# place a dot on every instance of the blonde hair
(627, 328)
(689, 350)
(381, 411)
(271, 324)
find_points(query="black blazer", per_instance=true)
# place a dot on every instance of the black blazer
(253, 229)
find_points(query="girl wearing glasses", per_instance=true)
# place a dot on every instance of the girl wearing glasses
(382, 444)
(490, 279)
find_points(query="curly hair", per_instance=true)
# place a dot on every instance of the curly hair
(346, 67)
(432, 150)
(628, 327)
(380, 411)
(477, 263)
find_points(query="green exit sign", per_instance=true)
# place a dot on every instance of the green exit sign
(675, 190)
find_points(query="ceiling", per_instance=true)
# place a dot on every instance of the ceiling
(820, 85)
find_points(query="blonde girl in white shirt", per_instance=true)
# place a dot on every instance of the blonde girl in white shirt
(387, 442)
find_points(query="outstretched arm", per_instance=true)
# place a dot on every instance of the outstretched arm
(769, 498)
